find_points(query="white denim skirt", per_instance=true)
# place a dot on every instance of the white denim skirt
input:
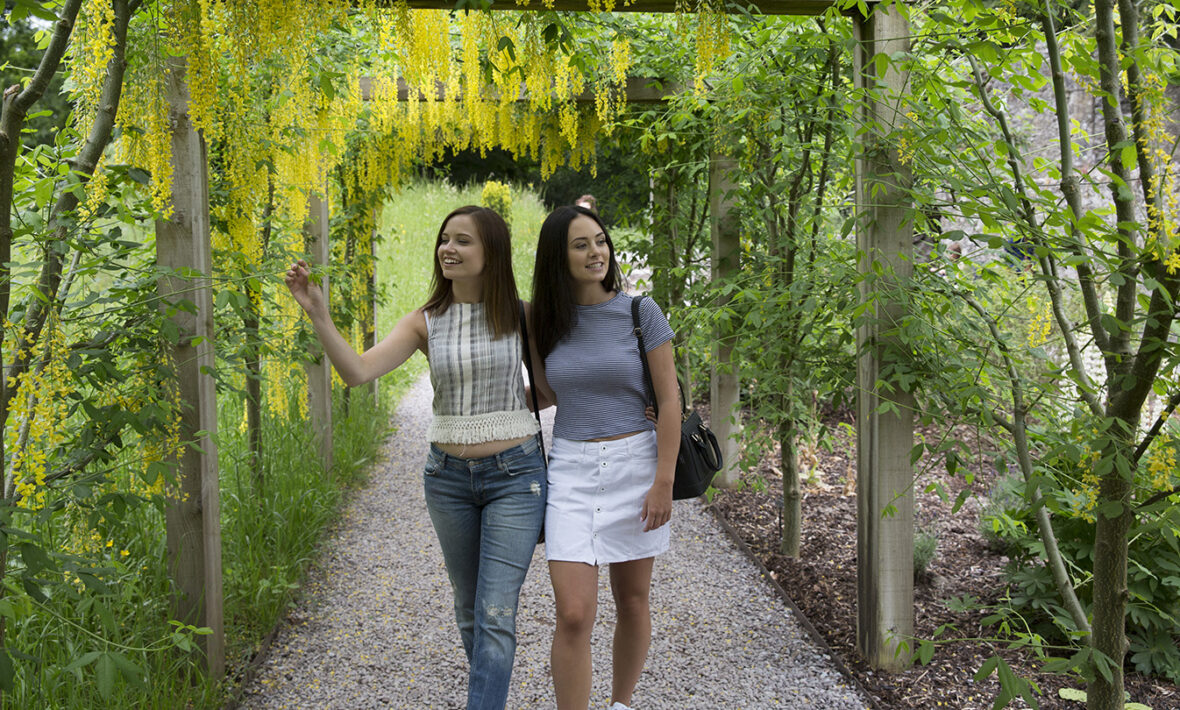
(596, 492)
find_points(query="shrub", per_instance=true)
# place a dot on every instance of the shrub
(925, 547)
(498, 196)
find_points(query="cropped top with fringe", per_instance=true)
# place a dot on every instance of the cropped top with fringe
(478, 385)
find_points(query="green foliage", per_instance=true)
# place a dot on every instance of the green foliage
(925, 548)
(20, 54)
(497, 197)
(1153, 613)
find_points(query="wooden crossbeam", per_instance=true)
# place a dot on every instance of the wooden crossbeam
(637, 90)
(764, 7)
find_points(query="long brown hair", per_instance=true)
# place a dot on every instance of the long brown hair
(499, 296)
(554, 310)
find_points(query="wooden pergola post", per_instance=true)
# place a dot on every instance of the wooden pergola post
(724, 379)
(319, 371)
(193, 514)
(884, 423)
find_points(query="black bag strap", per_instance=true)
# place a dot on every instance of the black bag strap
(528, 365)
(638, 330)
(647, 381)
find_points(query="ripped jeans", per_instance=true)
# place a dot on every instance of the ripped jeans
(487, 513)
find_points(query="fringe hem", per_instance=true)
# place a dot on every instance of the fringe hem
(478, 428)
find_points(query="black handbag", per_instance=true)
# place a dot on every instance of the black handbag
(699, 458)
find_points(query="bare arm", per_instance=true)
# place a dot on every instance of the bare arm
(545, 396)
(355, 368)
(657, 505)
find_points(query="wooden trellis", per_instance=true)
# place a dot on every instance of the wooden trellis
(884, 438)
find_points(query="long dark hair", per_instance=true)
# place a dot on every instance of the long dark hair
(554, 312)
(499, 296)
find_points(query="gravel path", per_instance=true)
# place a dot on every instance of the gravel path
(375, 626)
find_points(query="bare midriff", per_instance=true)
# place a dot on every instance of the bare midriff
(480, 450)
(618, 436)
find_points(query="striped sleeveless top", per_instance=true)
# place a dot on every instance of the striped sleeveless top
(477, 380)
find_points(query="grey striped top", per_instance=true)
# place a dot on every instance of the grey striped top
(478, 386)
(596, 373)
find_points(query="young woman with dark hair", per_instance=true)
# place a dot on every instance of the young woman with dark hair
(484, 478)
(610, 472)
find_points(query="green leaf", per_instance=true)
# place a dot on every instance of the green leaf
(35, 558)
(7, 672)
(1128, 156)
(105, 672)
(82, 661)
(1111, 509)
(925, 652)
(130, 672)
(986, 669)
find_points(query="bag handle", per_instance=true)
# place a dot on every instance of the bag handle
(528, 365)
(647, 381)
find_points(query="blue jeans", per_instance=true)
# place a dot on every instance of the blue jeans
(487, 513)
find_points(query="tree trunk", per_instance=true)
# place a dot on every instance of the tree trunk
(792, 527)
(1110, 590)
(252, 324)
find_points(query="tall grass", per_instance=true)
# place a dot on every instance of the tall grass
(109, 643)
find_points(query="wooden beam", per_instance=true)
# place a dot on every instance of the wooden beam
(764, 7)
(319, 372)
(885, 540)
(637, 90)
(193, 513)
(724, 380)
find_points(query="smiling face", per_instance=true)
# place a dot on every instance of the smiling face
(588, 251)
(460, 250)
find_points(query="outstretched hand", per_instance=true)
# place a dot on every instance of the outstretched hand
(307, 295)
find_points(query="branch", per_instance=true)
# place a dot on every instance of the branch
(1157, 498)
(1020, 438)
(1071, 191)
(1144, 366)
(1109, 63)
(1173, 401)
(1027, 213)
(83, 165)
(1129, 24)
(16, 104)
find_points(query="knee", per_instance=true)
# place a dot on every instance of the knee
(633, 604)
(575, 618)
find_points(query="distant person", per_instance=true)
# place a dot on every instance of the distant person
(485, 478)
(588, 202)
(610, 468)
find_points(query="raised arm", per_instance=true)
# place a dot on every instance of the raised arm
(355, 368)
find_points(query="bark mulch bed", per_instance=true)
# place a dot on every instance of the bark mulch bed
(822, 583)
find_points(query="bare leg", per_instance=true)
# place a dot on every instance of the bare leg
(575, 593)
(630, 583)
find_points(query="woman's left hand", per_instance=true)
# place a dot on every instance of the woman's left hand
(657, 506)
